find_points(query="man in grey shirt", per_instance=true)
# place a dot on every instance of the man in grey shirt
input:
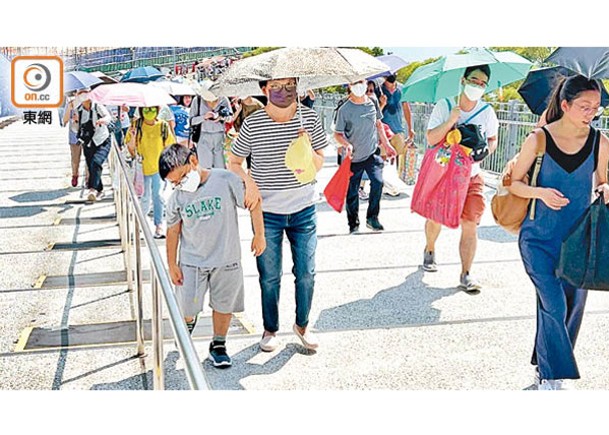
(358, 129)
(202, 219)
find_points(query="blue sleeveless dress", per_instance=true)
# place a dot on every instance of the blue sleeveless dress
(560, 306)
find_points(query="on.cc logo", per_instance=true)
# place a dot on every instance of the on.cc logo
(37, 77)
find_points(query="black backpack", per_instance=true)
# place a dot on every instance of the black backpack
(195, 130)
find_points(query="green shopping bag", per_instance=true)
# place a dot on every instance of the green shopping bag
(584, 255)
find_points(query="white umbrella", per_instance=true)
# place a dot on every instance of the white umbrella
(174, 88)
(131, 94)
(314, 67)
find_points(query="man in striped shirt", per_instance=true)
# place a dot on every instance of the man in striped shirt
(288, 206)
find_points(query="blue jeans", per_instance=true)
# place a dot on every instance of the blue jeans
(373, 166)
(152, 187)
(301, 230)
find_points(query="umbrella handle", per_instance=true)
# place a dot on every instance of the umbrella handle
(299, 111)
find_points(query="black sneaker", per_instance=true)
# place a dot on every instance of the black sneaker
(218, 356)
(374, 224)
(191, 325)
(353, 229)
(429, 262)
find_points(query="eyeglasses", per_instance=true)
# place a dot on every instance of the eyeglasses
(477, 81)
(277, 87)
(178, 184)
(587, 110)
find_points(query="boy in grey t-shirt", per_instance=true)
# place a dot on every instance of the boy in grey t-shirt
(202, 220)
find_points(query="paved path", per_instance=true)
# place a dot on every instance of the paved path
(382, 322)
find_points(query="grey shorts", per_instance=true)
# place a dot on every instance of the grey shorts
(225, 284)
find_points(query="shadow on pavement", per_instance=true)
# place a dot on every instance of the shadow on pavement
(219, 379)
(49, 195)
(496, 234)
(409, 303)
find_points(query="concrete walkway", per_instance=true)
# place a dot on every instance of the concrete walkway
(383, 324)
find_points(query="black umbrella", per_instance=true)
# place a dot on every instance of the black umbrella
(592, 62)
(538, 85)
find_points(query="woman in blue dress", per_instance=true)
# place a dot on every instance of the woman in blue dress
(574, 164)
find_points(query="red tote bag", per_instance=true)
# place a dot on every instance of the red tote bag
(441, 188)
(336, 190)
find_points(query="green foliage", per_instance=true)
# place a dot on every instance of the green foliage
(373, 51)
(259, 50)
(405, 73)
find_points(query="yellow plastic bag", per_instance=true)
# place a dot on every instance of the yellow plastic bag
(299, 159)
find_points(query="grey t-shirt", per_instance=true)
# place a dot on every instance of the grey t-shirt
(210, 230)
(358, 123)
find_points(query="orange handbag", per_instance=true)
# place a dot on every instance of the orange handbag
(509, 211)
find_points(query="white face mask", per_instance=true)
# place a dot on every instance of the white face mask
(78, 100)
(190, 183)
(473, 93)
(359, 89)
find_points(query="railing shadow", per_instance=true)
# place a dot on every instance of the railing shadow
(219, 379)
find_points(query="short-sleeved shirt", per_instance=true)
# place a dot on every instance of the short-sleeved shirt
(487, 120)
(358, 123)
(151, 146)
(393, 112)
(210, 228)
(181, 116)
(267, 142)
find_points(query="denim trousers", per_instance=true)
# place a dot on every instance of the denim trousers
(301, 231)
(94, 168)
(373, 166)
(152, 189)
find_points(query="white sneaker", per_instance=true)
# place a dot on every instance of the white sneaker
(92, 196)
(308, 339)
(268, 343)
(546, 385)
(564, 384)
(100, 195)
(555, 384)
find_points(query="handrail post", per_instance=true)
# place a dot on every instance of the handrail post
(139, 298)
(128, 229)
(135, 225)
(157, 332)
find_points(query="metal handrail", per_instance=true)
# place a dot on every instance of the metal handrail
(132, 223)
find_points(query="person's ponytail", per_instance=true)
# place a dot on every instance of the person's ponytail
(555, 112)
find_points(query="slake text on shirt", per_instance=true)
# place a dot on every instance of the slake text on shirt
(204, 209)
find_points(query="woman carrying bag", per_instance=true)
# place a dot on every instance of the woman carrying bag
(575, 163)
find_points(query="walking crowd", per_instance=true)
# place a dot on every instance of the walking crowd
(221, 154)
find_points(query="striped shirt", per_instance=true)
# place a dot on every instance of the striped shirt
(267, 142)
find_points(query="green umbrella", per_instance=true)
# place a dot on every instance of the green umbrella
(441, 79)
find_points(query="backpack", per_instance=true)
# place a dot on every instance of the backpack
(472, 135)
(509, 210)
(138, 130)
(338, 106)
(195, 130)
(94, 106)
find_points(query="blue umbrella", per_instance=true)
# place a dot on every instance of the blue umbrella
(591, 62)
(394, 62)
(142, 74)
(77, 80)
(537, 88)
